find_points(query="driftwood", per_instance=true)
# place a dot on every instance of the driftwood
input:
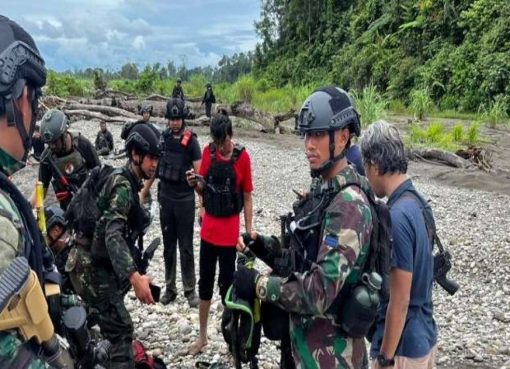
(96, 115)
(439, 156)
(269, 121)
(112, 93)
(112, 110)
(107, 110)
(478, 156)
(156, 97)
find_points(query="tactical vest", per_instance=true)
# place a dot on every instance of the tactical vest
(16, 208)
(73, 166)
(308, 218)
(138, 218)
(221, 196)
(175, 160)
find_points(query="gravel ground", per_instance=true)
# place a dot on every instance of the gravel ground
(474, 325)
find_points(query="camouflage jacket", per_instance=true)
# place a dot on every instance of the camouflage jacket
(317, 341)
(11, 245)
(110, 246)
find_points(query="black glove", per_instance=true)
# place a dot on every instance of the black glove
(245, 280)
(255, 245)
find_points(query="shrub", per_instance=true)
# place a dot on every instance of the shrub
(245, 88)
(421, 103)
(496, 113)
(458, 132)
(435, 132)
(370, 105)
(473, 133)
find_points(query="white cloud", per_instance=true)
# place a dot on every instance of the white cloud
(138, 43)
(113, 32)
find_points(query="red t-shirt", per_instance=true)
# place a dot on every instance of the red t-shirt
(224, 231)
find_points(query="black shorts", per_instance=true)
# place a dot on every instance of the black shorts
(209, 254)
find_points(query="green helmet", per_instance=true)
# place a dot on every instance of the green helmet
(53, 125)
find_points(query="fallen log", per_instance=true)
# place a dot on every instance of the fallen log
(97, 115)
(156, 97)
(439, 156)
(107, 110)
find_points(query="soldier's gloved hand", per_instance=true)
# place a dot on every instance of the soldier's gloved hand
(254, 243)
(245, 280)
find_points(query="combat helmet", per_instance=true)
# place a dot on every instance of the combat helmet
(144, 138)
(21, 64)
(54, 216)
(176, 109)
(53, 125)
(329, 109)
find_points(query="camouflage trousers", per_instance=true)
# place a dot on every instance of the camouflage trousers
(79, 269)
(326, 348)
(14, 354)
(113, 318)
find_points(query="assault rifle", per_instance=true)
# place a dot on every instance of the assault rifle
(69, 188)
(142, 260)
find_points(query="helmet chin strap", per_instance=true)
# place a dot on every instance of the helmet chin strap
(332, 158)
(15, 118)
(138, 163)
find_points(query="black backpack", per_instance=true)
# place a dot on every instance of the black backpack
(82, 213)
(378, 258)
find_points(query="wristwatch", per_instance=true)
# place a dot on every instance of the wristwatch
(384, 361)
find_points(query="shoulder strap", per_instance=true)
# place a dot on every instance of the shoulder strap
(123, 171)
(430, 223)
(238, 149)
(33, 247)
(212, 151)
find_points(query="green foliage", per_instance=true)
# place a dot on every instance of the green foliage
(473, 133)
(65, 85)
(147, 80)
(421, 103)
(496, 114)
(457, 50)
(458, 132)
(245, 89)
(436, 135)
(370, 105)
(195, 87)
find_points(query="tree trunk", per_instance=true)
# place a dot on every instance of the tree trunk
(439, 156)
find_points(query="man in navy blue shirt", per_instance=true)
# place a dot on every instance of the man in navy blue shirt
(406, 334)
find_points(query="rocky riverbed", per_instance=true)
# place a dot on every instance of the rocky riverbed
(474, 325)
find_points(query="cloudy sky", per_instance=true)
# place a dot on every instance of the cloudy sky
(108, 33)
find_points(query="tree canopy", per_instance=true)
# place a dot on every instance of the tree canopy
(456, 50)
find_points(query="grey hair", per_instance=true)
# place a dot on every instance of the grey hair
(381, 145)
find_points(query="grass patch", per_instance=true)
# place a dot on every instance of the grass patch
(435, 135)
(370, 105)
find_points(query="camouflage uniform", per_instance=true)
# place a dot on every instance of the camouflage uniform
(12, 245)
(317, 341)
(113, 264)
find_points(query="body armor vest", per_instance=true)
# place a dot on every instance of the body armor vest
(73, 166)
(175, 160)
(222, 198)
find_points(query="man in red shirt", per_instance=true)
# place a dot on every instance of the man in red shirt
(225, 185)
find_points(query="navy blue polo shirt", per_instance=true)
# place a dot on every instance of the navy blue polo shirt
(412, 252)
(353, 156)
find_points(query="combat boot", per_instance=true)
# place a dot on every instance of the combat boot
(192, 299)
(168, 297)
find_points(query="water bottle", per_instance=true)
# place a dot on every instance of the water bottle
(360, 310)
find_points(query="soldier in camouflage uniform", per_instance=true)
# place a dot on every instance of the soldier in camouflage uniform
(333, 227)
(114, 268)
(104, 140)
(67, 159)
(23, 74)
